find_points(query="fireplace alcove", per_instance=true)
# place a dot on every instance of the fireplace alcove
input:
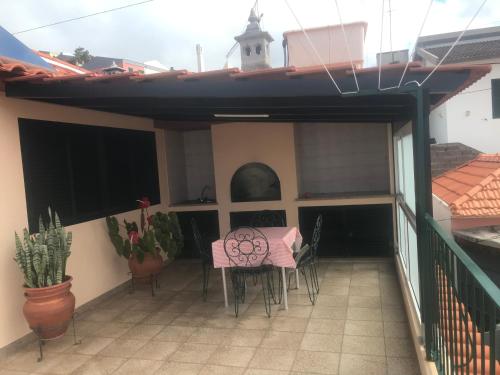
(255, 182)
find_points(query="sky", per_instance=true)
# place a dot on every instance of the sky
(168, 30)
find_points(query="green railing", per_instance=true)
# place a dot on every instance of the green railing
(462, 305)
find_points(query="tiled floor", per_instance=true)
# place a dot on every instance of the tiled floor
(358, 326)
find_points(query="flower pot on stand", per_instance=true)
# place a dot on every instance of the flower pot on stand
(49, 310)
(147, 271)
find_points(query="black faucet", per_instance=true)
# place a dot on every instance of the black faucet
(203, 198)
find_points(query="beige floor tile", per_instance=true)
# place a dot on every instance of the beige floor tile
(99, 365)
(102, 315)
(88, 328)
(397, 347)
(273, 359)
(12, 372)
(221, 370)
(316, 362)
(295, 312)
(396, 329)
(142, 332)
(365, 266)
(205, 308)
(326, 326)
(363, 345)
(157, 350)
(176, 306)
(322, 312)
(174, 333)
(160, 317)
(123, 348)
(90, 345)
(282, 340)
(131, 316)
(334, 290)
(193, 353)
(365, 281)
(331, 301)
(178, 368)
(289, 324)
(138, 366)
(67, 363)
(205, 335)
(244, 337)
(366, 291)
(321, 343)
(28, 361)
(259, 371)
(253, 322)
(220, 322)
(406, 366)
(232, 356)
(189, 319)
(299, 297)
(390, 314)
(113, 330)
(364, 313)
(363, 328)
(364, 301)
(364, 273)
(351, 364)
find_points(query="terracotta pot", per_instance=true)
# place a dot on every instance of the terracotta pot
(49, 310)
(151, 265)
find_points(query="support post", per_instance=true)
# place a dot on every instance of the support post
(423, 205)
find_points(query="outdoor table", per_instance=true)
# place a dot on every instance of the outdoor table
(282, 242)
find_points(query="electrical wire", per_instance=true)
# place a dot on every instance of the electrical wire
(416, 41)
(82, 17)
(347, 45)
(313, 48)
(419, 84)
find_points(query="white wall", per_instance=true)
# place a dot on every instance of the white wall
(441, 213)
(93, 263)
(438, 123)
(469, 117)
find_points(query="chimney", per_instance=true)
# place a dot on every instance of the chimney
(199, 58)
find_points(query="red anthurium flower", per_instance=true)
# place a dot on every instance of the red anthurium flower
(144, 202)
(134, 237)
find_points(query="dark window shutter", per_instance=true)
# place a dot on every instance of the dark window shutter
(495, 98)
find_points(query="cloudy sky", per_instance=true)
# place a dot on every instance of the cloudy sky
(168, 30)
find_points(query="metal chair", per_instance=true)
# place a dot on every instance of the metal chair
(305, 264)
(205, 256)
(267, 218)
(248, 250)
(314, 249)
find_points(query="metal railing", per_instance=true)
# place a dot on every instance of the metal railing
(462, 305)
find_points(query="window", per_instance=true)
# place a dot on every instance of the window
(258, 49)
(495, 97)
(86, 172)
(248, 50)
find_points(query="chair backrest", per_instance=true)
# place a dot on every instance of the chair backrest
(198, 241)
(267, 218)
(316, 235)
(303, 255)
(246, 247)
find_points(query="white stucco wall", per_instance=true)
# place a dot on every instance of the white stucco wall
(441, 213)
(467, 117)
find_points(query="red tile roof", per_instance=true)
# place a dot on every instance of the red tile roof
(472, 189)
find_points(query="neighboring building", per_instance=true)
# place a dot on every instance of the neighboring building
(393, 57)
(446, 156)
(329, 43)
(98, 63)
(472, 117)
(62, 67)
(468, 196)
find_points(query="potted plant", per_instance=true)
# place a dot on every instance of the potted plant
(42, 258)
(160, 233)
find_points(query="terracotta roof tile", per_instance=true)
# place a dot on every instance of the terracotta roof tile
(472, 189)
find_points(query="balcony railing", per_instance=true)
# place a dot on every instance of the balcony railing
(463, 307)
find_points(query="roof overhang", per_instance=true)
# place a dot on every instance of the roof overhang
(281, 94)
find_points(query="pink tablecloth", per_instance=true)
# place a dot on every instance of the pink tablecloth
(281, 241)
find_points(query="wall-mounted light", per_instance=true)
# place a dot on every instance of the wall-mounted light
(241, 115)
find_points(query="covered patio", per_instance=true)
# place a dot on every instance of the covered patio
(358, 326)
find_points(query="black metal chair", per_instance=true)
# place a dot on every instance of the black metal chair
(248, 250)
(314, 249)
(306, 266)
(267, 218)
(205, 256)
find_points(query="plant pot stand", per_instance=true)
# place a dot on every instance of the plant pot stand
(152, 280)
(42, 341)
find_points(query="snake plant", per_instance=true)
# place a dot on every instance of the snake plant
(42, 257)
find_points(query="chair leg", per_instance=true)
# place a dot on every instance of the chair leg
(236, 287)
(315, 280)
(266, 291)
(206, 271)
(311, 291)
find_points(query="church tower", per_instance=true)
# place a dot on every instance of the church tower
(254, 45)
